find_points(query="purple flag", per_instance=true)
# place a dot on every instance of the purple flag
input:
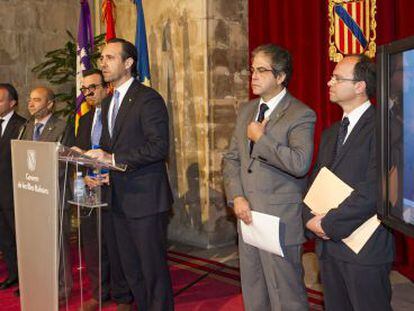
(84, 49)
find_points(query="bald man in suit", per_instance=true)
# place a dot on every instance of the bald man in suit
(48, 127)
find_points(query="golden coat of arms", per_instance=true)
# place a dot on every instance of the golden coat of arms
(352, 28)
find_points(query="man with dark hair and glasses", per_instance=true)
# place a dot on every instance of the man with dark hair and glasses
(113, 282)
(10, 123)
(265, 171)
(352, 281)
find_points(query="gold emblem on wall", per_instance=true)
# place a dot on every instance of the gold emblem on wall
(352, 28)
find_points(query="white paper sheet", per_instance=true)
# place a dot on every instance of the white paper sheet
(263, 233)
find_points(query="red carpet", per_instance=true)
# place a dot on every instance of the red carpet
(199, 284)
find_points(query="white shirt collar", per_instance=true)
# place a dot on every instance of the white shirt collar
(6, 120)
(43, 120)
(123, 88)
(355, 115)
(7, 117)
(272, 103)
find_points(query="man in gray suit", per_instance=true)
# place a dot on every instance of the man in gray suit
(265, 171)
(45, 126)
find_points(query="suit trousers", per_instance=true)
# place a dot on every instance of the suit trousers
(65, 262)
(271, 282)
(90, 244)
(354, 287)
(142, 248)
(8, 241)
(120, 290)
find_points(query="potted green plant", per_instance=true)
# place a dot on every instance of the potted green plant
(59, 68)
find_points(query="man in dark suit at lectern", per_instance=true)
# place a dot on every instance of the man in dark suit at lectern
(348, 148)
(135, 132)
(10, 124)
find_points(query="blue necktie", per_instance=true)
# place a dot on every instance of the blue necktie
(115, 109)
(97, 129)
(37, 131)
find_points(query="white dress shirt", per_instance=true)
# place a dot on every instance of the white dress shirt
(122, 89)
(6, 120)
(354, 117)
(272, 103)
(43, 121)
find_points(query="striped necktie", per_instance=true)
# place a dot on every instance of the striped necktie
(97, 129)
(37, 131)
(115, 109)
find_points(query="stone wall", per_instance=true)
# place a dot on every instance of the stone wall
(28, 30)
(199, 59)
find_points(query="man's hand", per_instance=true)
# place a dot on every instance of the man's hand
(242, 210)
(77, 149)
(100, 155)
(255, 130)
(314, 225)
(98, 180)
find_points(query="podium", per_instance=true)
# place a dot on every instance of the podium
(40, 185)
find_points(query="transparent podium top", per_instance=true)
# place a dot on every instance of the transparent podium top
(70, 155)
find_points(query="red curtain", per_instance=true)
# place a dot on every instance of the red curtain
(302, 27)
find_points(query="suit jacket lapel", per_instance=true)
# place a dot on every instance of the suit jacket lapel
(276, 114)
(49, 126)
(279, 111)
(250, 116)
(349, 143)
(7, 135)
(126, 104)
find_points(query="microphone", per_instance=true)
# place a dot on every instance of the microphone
(32, 117)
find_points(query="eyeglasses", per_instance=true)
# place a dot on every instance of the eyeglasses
(91, 88)
(259, 70)
(336, 80)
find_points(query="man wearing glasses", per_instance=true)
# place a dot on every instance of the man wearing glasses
(113, 281)
(265, 170)
(352, 281)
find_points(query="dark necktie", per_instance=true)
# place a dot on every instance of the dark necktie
(262, 110)
(115, 109)
(343, 130)
(1, 129)
(37, 131)
(97, 129)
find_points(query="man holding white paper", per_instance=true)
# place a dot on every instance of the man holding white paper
(352, 281)
(265, 171)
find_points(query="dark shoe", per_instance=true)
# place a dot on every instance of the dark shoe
(17, 293)
(9, 283)
(124, 307)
